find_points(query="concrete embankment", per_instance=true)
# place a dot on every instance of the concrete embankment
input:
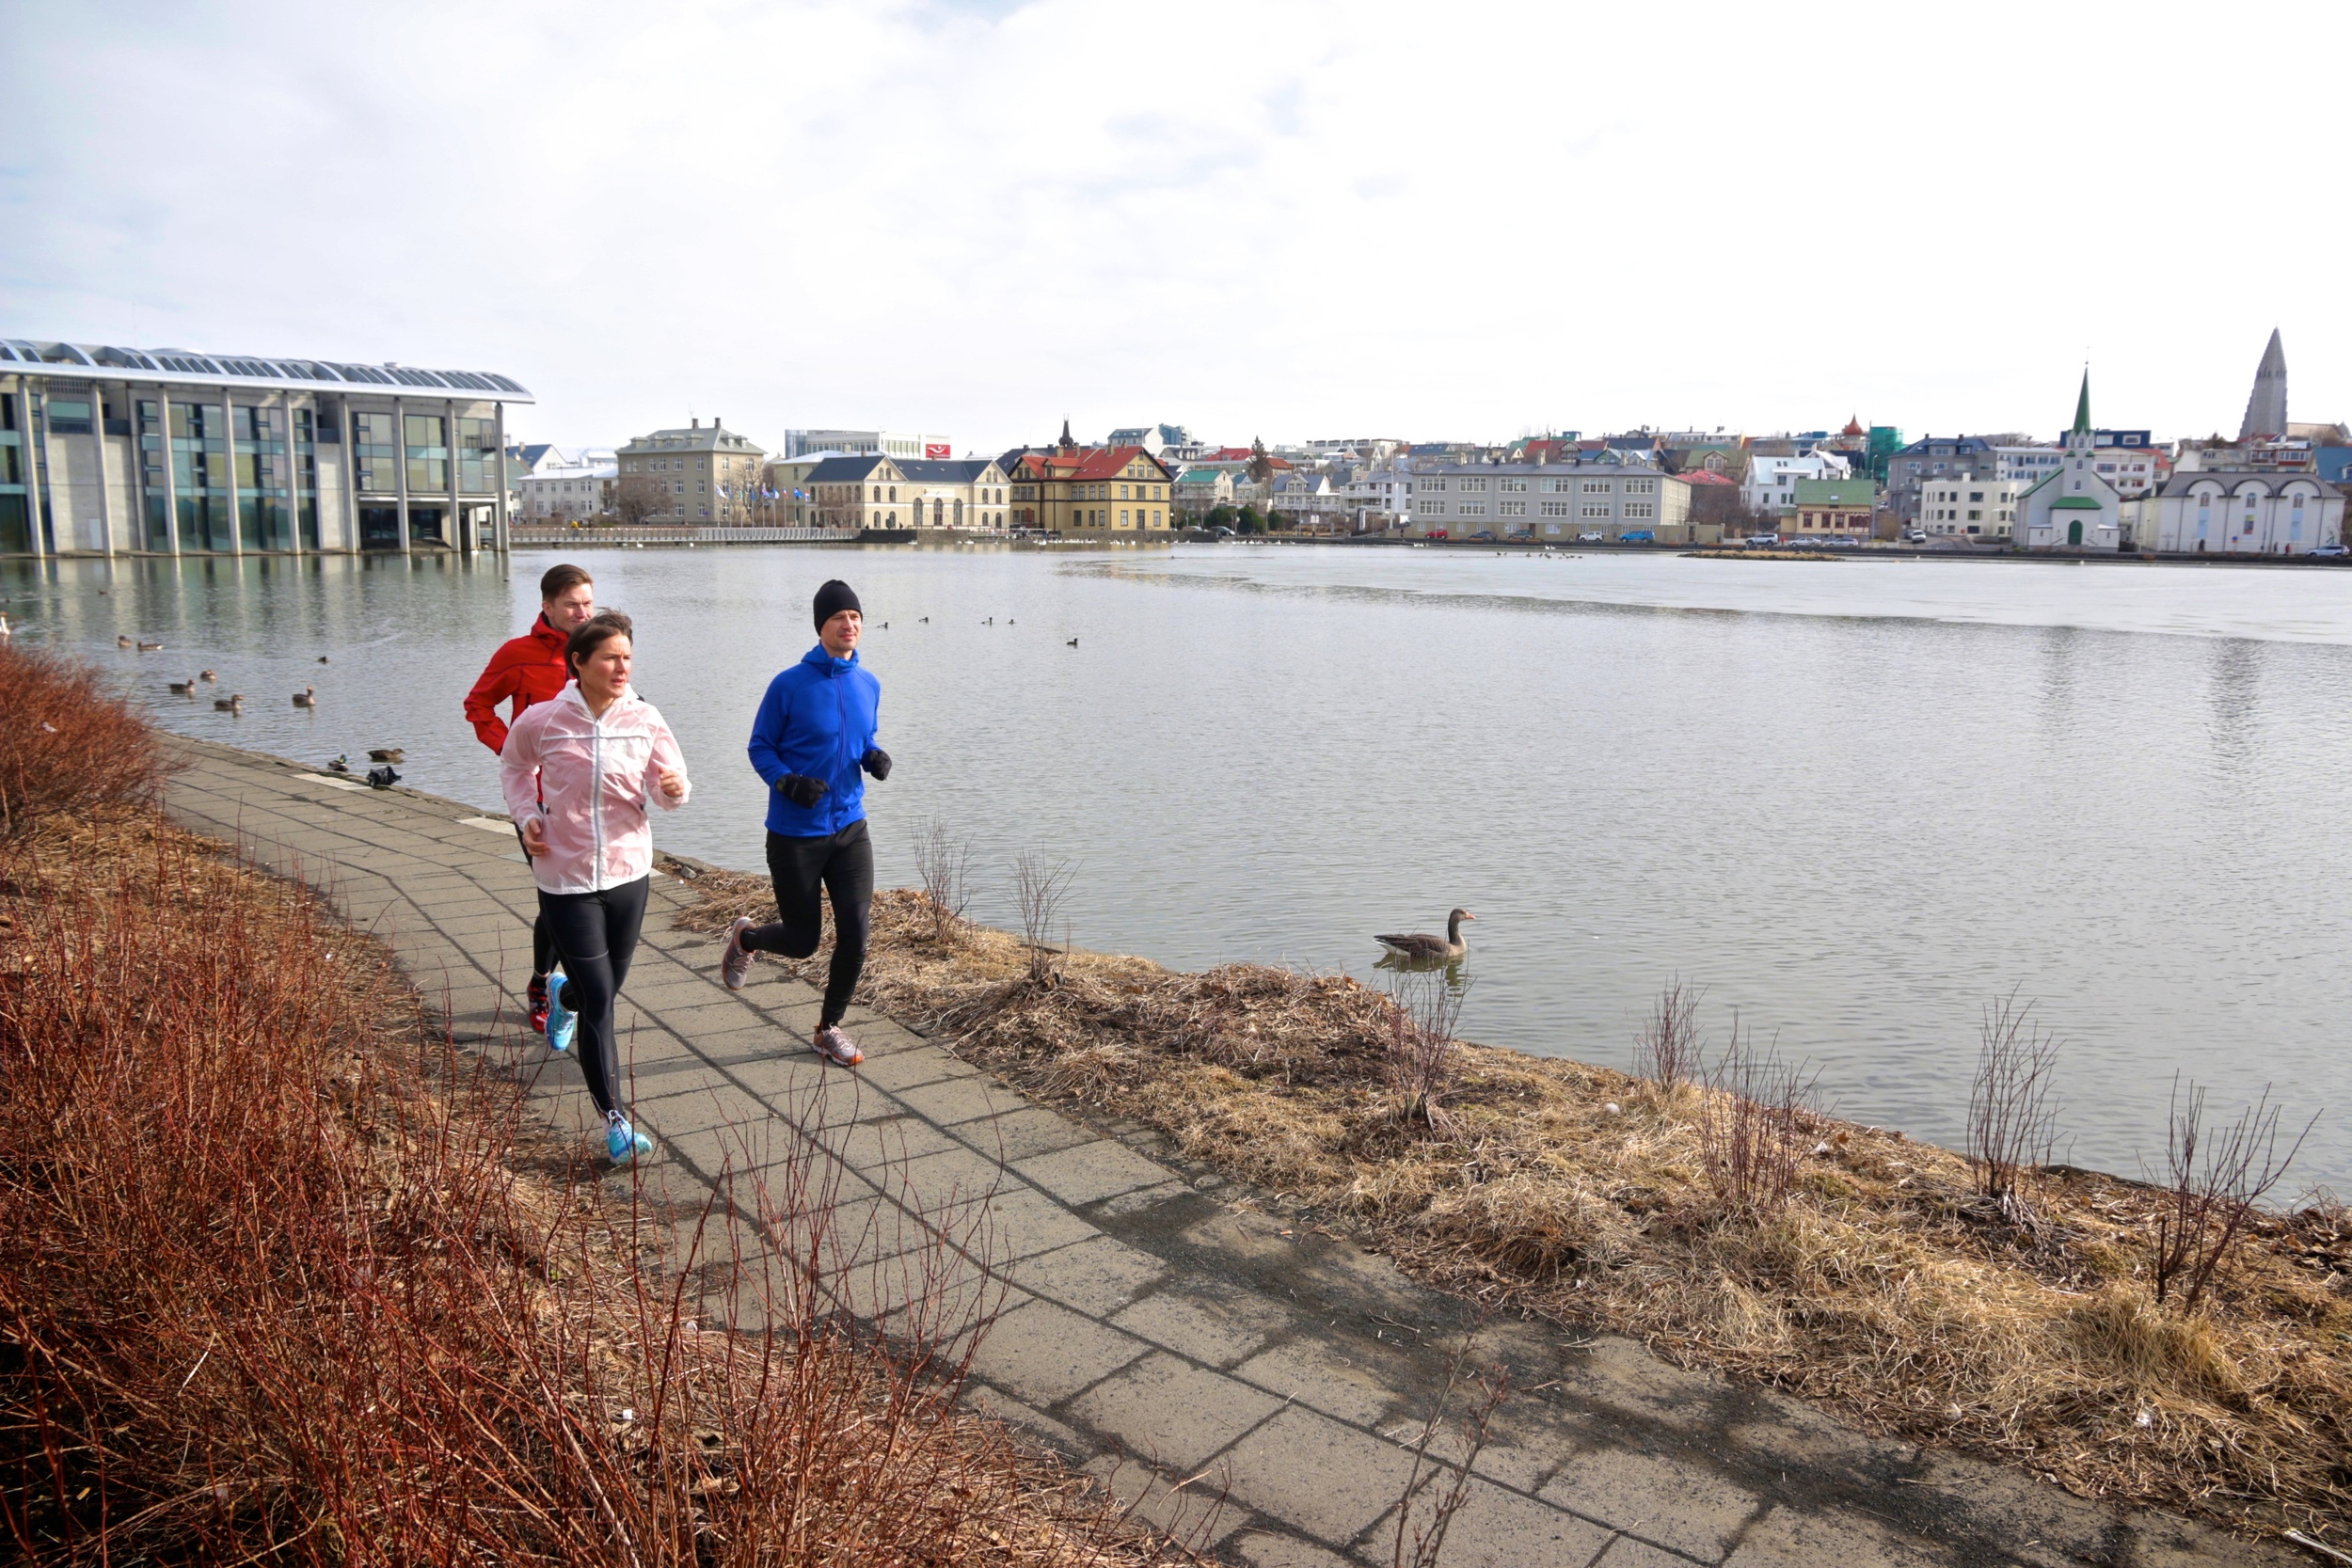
(1256, 1382)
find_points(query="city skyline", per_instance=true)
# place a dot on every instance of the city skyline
(1276, 221)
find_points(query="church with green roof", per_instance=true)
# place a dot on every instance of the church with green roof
(2073, 508)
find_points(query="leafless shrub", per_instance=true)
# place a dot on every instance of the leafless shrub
(265, 1299)
(1752, 1133)
(2012, 1120)
(2214, 1178)
(1039, 887)
(1423, 1059)
(69, 744)
(1668, 1050)
(944, 863)
(1422, 1545)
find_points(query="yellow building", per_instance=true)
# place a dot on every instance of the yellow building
(1099, 491)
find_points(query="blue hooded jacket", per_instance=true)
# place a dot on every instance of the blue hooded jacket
(817, 720)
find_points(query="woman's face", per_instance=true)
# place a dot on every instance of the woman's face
(604, 672)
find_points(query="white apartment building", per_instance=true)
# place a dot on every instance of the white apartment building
(2221, 512)
(1379, 498)
(1549, 501)
(1968, 506)
(889, 443)
(568, 492)
(2029, 466)
(1772, 481)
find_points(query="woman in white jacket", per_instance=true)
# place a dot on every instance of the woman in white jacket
(577, 772)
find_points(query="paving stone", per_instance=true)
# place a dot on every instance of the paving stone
(998, 1405)
(962, 1099)
(1097, 1276)
(1024, 1222)
(952, 1175)
(1310, 1372)
(1089, 1171)
(887, 1143)
(1211, 1323)
(907, 1069)
(1044, 1352)
(1662, 1500)
(1832, 1538)
(1615, 1371)
(1495, 1528)
(1190, 1515)
(1025, 1133)
(1626, 1552)
(1170, 1412)
(1261, 1548)
(1330, 1481)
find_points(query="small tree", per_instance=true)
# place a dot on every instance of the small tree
(637, 498)
(1222, 517)
(1249, 522)
(1260, 462)
(2012, 1120)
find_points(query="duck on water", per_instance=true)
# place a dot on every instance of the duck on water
(1421, 947)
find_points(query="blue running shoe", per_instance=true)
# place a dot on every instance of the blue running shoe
(562, 1020)
(624, 1142)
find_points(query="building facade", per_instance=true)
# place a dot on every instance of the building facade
(2077, 507)
(1199, 491)
(1099, 492)
(1925, 458)
(889, 443)
(709, 472)
(1549, 502)
(107, 450)
(567, 492)
(2213, 512)
(872, 491)
(1772, 481)
(1968, 506)
(1826, 507)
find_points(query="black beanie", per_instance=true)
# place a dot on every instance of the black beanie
(835, 598)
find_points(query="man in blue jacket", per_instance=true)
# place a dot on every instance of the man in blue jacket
(812, 742)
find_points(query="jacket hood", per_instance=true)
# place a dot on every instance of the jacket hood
(542, 630)
(571, 693)
(826, 662)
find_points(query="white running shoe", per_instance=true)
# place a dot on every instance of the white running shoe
(735, 966)
(838, 1048)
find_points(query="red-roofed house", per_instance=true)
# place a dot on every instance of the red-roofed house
(1099, 491)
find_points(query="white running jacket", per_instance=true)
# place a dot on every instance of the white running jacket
(587, 780)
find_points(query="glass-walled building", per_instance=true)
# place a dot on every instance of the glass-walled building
(114, 450)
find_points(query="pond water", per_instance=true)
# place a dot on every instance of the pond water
(1853, 800)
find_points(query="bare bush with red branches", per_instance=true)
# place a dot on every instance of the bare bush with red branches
(69, 744)
(2216, 1178)
(1424, 1058)
(1752, 1131)
(2012, 1118)
(274, 1289)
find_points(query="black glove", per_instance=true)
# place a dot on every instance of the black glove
(800, 788)
(877, 761)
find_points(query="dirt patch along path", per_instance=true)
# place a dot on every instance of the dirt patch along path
(1255, 1379)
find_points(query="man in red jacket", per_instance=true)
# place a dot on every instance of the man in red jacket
(530, 668)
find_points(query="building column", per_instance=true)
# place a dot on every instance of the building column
(294, 471)
(36, 466)
(98, 441)
(399, 473)
(228, 443)
(344, 439)
(453, 530)
(171, 467)
(498, 415)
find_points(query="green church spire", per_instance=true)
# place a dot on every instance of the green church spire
(2082, 406)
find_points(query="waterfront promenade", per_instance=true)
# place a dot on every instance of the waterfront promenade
(1254, 1389)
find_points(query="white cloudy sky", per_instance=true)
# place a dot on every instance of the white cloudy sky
(1296, 220)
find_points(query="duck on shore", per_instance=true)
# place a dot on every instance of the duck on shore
(1422, 946)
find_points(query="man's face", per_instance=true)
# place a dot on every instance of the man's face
(572, 606)
(840, 634)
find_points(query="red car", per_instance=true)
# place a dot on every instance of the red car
(1435, 533)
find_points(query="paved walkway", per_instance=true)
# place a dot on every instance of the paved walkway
(1251, 1387)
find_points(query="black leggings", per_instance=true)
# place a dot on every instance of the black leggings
(844, 864)
(542, 934)
(595, 935)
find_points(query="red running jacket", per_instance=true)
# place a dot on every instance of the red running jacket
(529, 669)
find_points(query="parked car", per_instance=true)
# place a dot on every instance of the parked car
(1638, 536)
(1762, 541)
(1435, 533)
(2332, 551)
(1485, 533)
(1592, 536)
(1917, 536)
(1222, 531)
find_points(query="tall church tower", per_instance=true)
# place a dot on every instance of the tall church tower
(2078, 436)
(2266, 410)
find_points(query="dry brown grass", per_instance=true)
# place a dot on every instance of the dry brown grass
(68, 744)
(1886, 1289)
(283, 1278)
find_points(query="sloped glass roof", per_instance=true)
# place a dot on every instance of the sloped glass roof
(29, 355)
